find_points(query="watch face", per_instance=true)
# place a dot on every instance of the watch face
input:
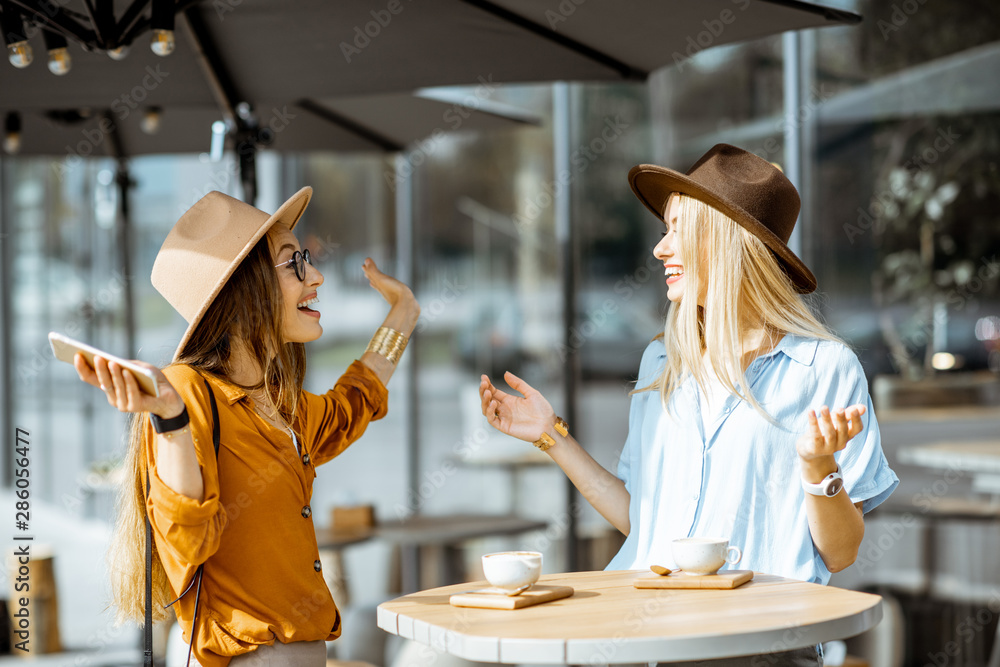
(834, 487)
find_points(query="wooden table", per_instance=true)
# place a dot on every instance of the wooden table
(608, 620)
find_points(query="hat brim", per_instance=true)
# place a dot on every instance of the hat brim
(653, 186)
(288, 214)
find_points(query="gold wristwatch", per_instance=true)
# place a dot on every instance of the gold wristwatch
(546, 441)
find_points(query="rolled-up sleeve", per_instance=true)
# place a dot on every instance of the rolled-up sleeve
(334, 420)
(185, 528)
(867, 476)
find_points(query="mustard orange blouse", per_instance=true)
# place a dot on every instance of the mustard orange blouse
(254, 529)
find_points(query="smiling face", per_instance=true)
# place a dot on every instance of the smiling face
(301, 324)
(670, 251)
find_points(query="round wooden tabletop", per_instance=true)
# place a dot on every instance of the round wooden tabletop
(608, 620)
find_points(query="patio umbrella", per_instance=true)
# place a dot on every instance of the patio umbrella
(249, 56)
(280, 51)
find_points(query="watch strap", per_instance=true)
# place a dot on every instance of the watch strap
(161, 425)
(823, 488)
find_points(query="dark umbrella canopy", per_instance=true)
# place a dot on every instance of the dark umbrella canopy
(257, 61)
(388, 123)
(276, 52)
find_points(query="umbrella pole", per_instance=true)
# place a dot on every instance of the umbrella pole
(406, 273)
(117, 149)
(246, 153)
(6, 330)
(124, 182)
(800, 128)
(566, 240)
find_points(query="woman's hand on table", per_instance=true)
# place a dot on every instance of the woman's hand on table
(525, 417)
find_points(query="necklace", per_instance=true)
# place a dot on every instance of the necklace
(273, 416)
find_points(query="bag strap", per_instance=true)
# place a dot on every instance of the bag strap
(147, 639)
(147, 659)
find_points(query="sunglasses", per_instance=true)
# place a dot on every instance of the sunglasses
(299, 261)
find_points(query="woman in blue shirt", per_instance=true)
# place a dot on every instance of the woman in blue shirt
(751, 420)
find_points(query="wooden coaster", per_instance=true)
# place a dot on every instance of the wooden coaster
(723, 580)
(537, 594)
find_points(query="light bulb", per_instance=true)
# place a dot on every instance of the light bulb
(162, 42)
(150, 123)
(12, 142)
(119, 53)
(59, 61)
(19, 54)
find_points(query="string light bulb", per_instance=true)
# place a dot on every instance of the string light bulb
(161, 21)
(150, 123)
(118, 53)
(162, 42)
(59, 58)
(12, 133)
(19, 52)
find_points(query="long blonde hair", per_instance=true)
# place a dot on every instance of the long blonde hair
(743, 286)
(248, 311)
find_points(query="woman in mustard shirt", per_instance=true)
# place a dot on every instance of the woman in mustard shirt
(247, 290)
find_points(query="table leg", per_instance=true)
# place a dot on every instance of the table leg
(452, 565)
(336, 577)
(994, 660)
(410, 566)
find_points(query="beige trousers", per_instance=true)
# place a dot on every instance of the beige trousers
(296, 654)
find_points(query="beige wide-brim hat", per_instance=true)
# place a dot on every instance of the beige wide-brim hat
(206, 245)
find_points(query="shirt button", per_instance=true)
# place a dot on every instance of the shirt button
(695, 497)
(306, 512)
(306, 459)
(317, 565)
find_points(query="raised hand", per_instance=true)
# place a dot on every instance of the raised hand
(392, 290)
(525, 417)
(122, 389)
(830, 432)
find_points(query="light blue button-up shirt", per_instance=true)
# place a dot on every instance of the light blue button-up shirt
(741, 479)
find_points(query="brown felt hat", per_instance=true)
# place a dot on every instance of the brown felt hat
(206, 245)
(747, 188)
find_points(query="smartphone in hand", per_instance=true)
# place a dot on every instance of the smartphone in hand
(65, 348)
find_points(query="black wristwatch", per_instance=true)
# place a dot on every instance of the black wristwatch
(161, 425)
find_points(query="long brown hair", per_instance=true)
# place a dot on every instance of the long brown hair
(743, 285)
(248, 312)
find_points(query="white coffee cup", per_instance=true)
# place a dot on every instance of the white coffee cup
(511, 570)
(704, 555)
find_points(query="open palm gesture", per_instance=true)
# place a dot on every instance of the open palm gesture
(525, 417)
(392, 290)
(829, 432)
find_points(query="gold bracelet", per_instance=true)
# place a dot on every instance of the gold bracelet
(170, 434)
(389, 343)
(545, 441)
